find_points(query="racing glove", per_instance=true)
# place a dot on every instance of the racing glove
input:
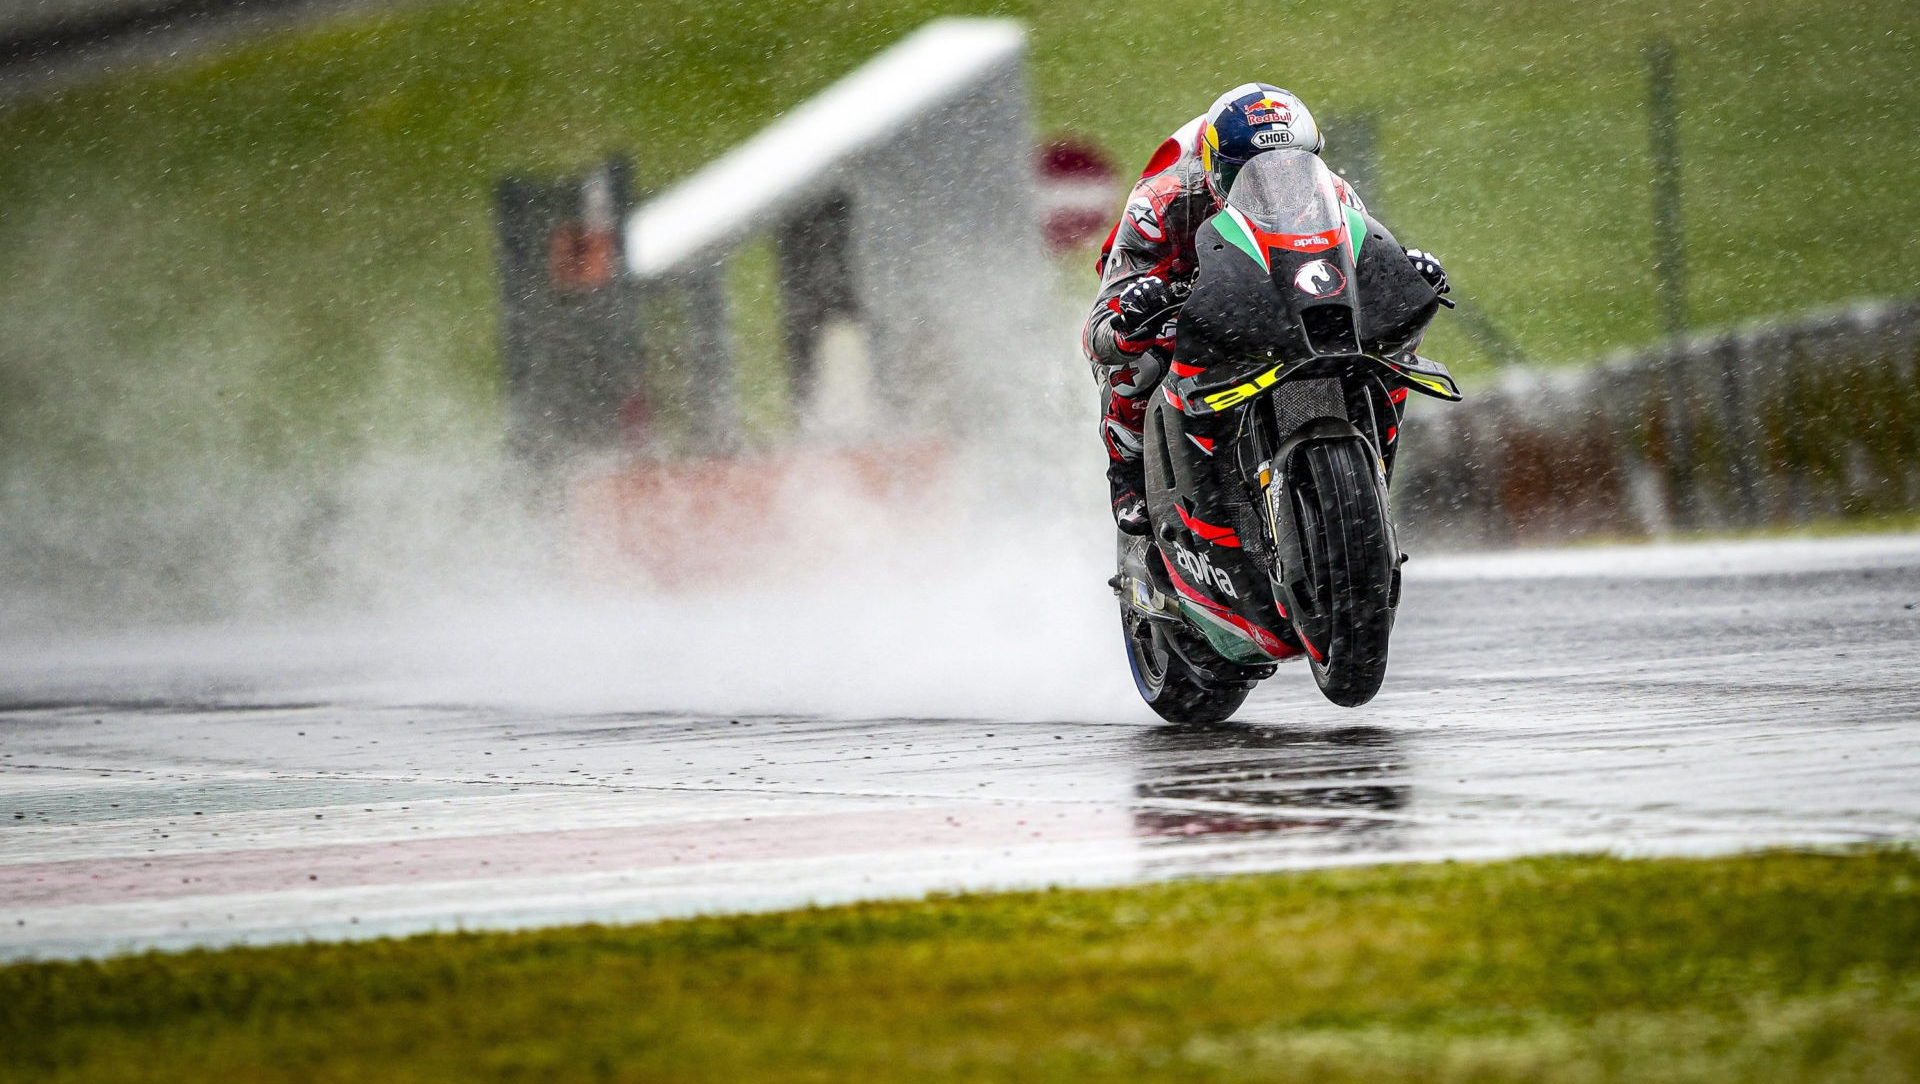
(1429, 267)
(1141, 307)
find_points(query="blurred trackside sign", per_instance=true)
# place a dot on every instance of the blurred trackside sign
(571, 346)
(1079, 190)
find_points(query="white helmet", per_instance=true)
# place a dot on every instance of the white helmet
(1249, 119)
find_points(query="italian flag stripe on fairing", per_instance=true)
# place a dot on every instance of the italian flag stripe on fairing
(1239, 233)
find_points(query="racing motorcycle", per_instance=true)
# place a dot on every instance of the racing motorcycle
(1268, 448)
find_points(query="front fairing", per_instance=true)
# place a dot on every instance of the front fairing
(1287, 276)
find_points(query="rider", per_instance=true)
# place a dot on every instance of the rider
(1148, 263)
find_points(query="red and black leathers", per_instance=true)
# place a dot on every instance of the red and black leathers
(1154, 237)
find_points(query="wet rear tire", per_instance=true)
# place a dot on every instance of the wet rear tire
(1347, 540)
(1174, 690)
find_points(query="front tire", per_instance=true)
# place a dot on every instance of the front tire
(1346, 611)
(1173, 689)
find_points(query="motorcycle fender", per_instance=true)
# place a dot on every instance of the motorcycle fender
(1290, 562)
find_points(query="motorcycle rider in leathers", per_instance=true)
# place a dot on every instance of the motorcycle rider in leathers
(1148, 263)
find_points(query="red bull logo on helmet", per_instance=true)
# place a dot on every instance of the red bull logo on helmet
(1268, 111)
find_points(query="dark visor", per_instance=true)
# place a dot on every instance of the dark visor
(1228, 169)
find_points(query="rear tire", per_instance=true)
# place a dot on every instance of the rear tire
(1170, 687)
(1347, 540)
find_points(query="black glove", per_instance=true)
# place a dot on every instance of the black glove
(1141, 303)
(1429, 267)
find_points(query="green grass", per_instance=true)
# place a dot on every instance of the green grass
(285, 247)
(1774, 967)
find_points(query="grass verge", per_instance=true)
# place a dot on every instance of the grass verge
(1779, 966)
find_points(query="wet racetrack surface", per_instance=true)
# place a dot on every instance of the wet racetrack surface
(1678, 699)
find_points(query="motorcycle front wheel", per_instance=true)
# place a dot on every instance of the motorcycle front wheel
(1346, 614)
(1170, 687)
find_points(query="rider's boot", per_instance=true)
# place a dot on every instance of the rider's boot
(1127, 482)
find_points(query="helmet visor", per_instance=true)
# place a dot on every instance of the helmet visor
(1224, 171)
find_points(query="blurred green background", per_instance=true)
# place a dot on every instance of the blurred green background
(284, 246)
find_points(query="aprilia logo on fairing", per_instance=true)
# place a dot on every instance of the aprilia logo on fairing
(1201, 571)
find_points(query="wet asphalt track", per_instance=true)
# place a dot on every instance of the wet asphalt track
(1631, 700)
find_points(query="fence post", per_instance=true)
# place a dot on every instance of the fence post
(1669, 265)
(1663, 134)
(1737, 410)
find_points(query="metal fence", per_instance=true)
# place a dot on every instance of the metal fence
(1777, 424)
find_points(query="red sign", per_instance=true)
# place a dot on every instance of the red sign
(579, 258)
(1079, 190)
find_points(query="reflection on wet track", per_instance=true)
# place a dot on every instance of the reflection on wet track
(1235, 780)
(1685, 699)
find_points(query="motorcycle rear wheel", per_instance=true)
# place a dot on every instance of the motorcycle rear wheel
(1347, 541)
(1174, 690)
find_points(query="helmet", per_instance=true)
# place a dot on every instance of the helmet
(1246, 120)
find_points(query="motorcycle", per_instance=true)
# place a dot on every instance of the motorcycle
(1268, 447)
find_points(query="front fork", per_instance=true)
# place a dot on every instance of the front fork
(1374, 414)
(1377, 412)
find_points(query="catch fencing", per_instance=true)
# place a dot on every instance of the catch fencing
(1778, 424)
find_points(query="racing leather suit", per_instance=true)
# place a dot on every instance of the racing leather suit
(1154, 237)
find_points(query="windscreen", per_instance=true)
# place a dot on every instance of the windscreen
(1287, 192)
